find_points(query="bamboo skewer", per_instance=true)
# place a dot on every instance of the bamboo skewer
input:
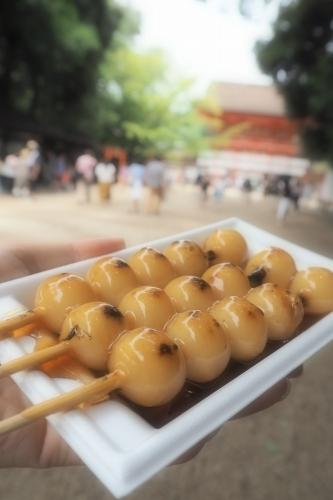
(54, 297)
(15, 322)
(97, 389)
(87, 333)
(56, 362)
(147, 366)
(34, 359)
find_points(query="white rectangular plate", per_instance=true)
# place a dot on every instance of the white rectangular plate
(120, 447)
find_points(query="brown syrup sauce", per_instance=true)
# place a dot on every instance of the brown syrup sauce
(193, 393)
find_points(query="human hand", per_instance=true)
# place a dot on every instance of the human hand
(38, 445)
(274, 395)
(19, 259)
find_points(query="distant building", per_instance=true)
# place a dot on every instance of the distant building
(267, 143)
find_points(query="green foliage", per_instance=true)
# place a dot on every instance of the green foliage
(146, 109)
(50, 52)
(66, 72)
(299, 57)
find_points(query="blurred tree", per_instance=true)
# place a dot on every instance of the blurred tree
(147, 110)
(66, 72)
(299, 57)
(50, 52)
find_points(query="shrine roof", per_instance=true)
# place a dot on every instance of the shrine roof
(256, 99)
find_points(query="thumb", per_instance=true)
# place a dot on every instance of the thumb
(93, 248)
(20, 259)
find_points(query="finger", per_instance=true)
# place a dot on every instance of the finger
(37, 445)
(56, 452)
(193, 452)
(275, 394)
(28, 259)
(296, 373)
(11, 266)
(93, 248)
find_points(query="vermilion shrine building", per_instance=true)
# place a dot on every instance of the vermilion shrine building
(268, 140)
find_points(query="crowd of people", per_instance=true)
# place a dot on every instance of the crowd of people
(288, 189)
(19, 172)
(22, 173)
(138, 175)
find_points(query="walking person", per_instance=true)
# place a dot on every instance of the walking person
(155, 182)
(85, 166)
(203, 182)
(34, 162)
(326, 191)
(286, 198)
(296, 191)
(28, 169)
(247, 189)
(136, 179)
(22, 175)
(8, 173)
(105, 174)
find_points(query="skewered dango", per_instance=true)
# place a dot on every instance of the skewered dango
(147, 366)
(187, 257)
(111, 279)
(190, 292)
(144, 364)
(152, 365)
(203, 342)
(152, 267)
(147, 306)
(87, 333)
(283, 310)
(226, 245)
(227, 280)
(315, 288)
(244, 324)
(55, 297)
(272, 265)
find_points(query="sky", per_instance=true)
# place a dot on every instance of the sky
(203, 40)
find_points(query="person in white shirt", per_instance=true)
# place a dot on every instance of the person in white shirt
(136, 178)
(8, 173)
(105, 174)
